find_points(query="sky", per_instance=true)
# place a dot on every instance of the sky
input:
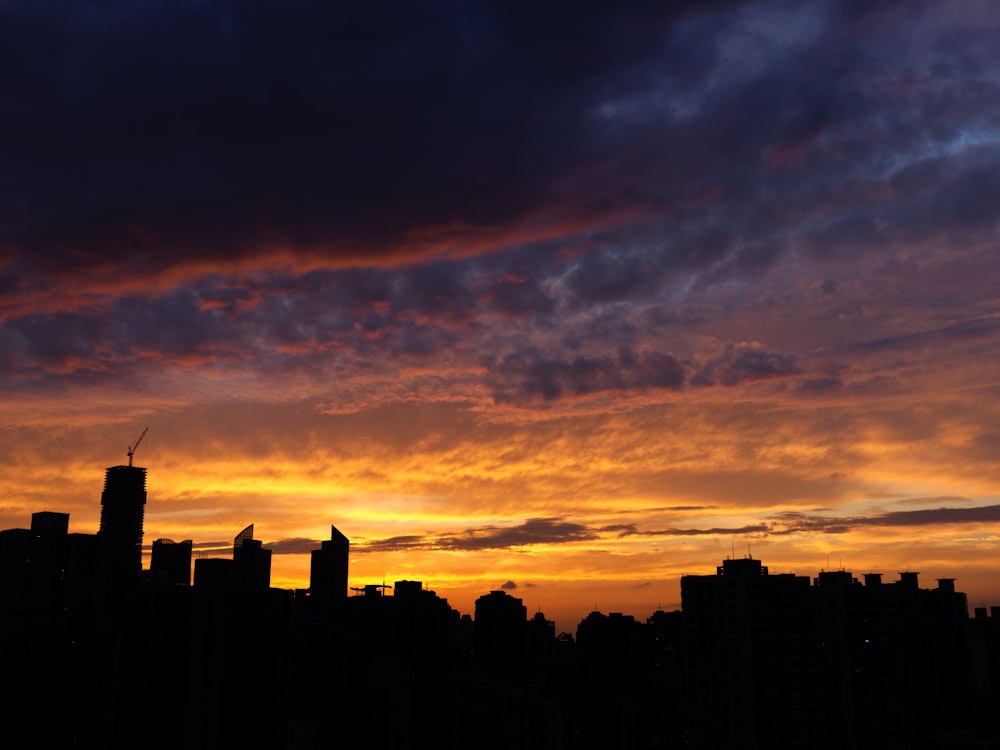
(566, 299)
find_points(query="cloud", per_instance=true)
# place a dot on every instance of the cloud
(562, 232)
(289, 128)
(744, 363)
(531, 531)
(395, 543)
(205, 547)
(933, 516)
(558, 531)
(293, 546)
(797, 522)
(346, 136)
(969, 330)
(531, 375)
(751, 529)
(508, 586)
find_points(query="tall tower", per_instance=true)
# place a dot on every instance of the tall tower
(328, 569)
(123, 506)
(251, 563)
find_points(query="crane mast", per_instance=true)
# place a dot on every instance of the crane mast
(131, 448)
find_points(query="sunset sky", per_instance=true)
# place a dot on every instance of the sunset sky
(569, 298)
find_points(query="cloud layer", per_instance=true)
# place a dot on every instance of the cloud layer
(504, 276)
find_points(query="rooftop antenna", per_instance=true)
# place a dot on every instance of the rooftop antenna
(131, 448)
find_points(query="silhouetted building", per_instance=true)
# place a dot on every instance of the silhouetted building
(984, 657)
(608, 647)
(328, 569)
(47, 580)
(893, 661)
(501, 629)
(15, 560)
(46, 523)
(251, 563)
(44, 568)
(753, 661)
(249, 570)
(123, 505)
(772, 662)
(240, 651)
(750, 657)
(171, 561)
(82, 564)
(213, 574)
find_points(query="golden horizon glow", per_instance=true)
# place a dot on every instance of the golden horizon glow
(647, 502)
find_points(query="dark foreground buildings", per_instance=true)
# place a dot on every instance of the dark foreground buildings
(97, 653)
(779, 661)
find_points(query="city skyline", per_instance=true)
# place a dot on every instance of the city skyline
(122, 514)
(753, 658)
(571, 300)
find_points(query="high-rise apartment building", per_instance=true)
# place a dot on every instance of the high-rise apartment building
(123, 507)
(501, 631)
(171, 561)
(749, 643)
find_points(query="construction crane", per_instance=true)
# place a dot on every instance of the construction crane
(371, 589)
(131, 448)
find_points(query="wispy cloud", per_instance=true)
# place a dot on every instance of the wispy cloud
(557, 531)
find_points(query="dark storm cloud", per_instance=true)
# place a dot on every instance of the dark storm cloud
(945, 190)
(143, 134)
(744, 364)
(424, 171)
(150, 131)
(276, 324)
(530, 374)
(313, 323)
(820, 385)
(976, 330)
(56, 343)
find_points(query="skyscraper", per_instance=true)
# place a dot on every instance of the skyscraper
(251, 563)
(123, 507)
(328, 569)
